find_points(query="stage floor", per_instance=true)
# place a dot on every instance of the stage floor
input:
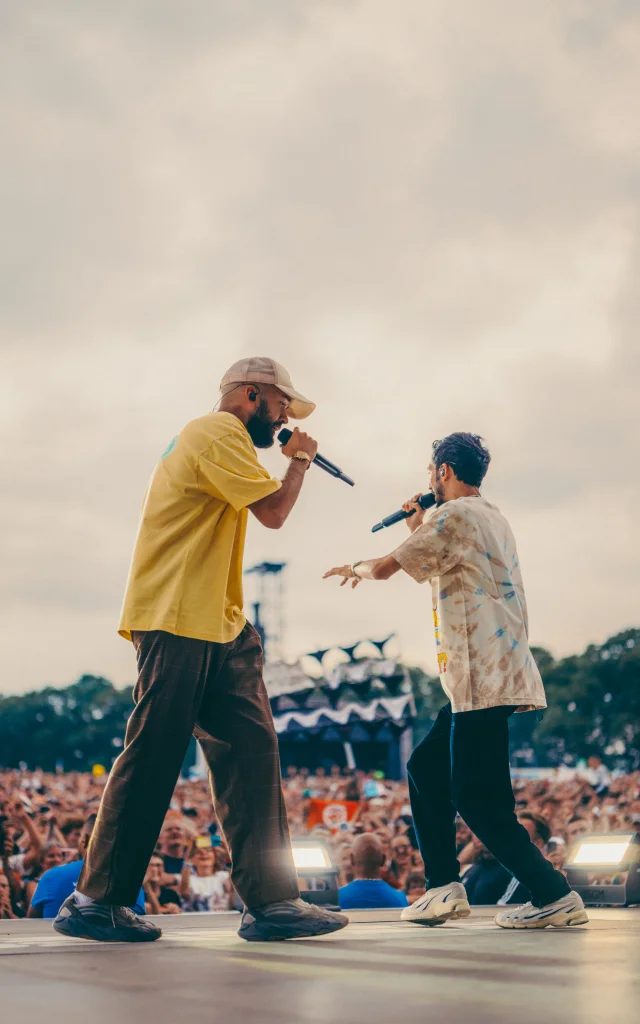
(378, 971)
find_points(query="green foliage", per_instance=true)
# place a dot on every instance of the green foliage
(593, 698)
(593, 706)
(80, 725)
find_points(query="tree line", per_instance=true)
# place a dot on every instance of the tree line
(593, 698)
(593, 703)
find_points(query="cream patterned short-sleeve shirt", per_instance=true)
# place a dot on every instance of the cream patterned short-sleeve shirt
(467, 550)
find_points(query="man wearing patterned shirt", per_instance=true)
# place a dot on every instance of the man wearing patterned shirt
(465, 548)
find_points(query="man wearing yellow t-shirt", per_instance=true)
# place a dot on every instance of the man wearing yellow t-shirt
(200, 670)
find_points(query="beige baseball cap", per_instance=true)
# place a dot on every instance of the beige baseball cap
(262, 370)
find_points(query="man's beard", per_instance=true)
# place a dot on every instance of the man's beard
(261, 427)
(438, 491)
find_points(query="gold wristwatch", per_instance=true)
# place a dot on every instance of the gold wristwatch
(302, 457)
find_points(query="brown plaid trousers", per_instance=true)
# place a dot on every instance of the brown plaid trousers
(215, 691)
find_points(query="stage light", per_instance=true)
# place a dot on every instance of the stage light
(605, 869)
(317, 875)
(311, 857)
(602, 851)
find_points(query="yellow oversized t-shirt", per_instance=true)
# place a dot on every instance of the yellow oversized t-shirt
(186, 571)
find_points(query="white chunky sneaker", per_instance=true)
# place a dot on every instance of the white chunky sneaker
(445, 903)
(562, 913)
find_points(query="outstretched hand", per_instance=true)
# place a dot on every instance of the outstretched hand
(345, 571)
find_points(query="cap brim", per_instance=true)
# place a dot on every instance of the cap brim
(300, 407)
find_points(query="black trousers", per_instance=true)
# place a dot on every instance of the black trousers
(463, 765)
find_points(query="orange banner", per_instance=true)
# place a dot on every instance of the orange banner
(331, 813)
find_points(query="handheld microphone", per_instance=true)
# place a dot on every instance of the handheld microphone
(329, 467)
(427, 500)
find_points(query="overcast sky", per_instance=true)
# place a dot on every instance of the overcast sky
(428, 210)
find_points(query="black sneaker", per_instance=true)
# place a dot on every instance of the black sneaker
(288, 919)
(104, 923)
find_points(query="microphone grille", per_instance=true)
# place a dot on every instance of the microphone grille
(284, 435)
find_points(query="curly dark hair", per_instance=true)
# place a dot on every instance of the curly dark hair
(467, 455)
(542, 828)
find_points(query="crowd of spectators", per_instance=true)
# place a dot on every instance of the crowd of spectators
(46, 822)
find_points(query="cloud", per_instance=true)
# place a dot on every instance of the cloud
(428, 212)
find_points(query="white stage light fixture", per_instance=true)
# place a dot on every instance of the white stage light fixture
(316, 872)
(311, 857)
(605, 850)
(605, 869)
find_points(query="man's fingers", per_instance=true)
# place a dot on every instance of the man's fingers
(411, 503)
(338, 570)
(345, 572)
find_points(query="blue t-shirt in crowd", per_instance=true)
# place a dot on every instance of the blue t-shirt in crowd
(58, 883)
(370, 893)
